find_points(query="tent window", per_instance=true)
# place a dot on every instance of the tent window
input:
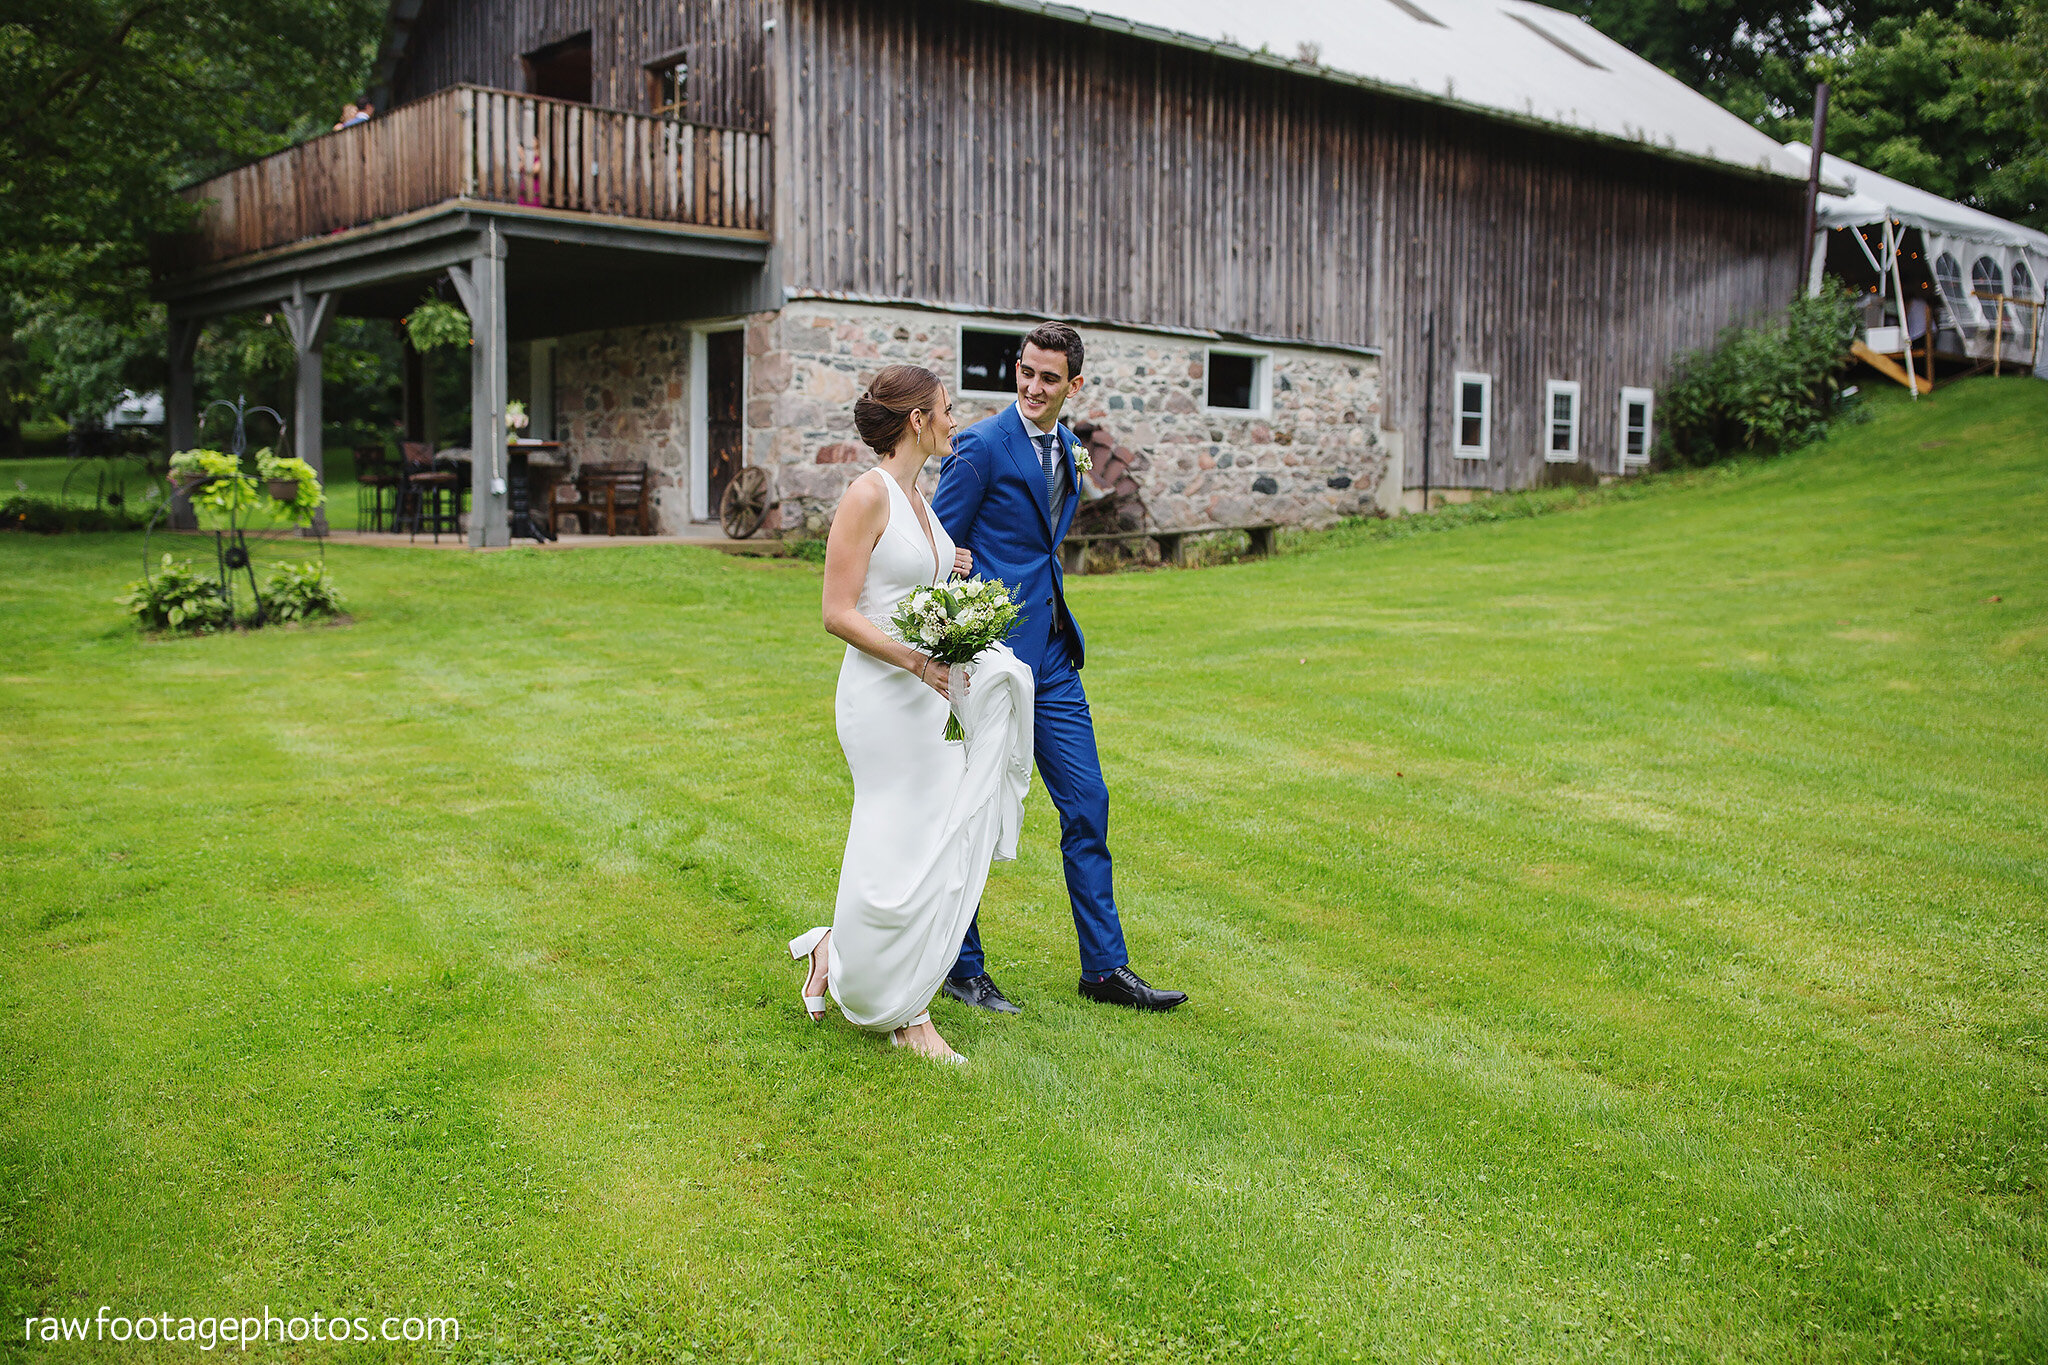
(1475, 415)
(1636, 406)
(1987, 278)
(1949, 275)
(2022, 281)
(1561, 400)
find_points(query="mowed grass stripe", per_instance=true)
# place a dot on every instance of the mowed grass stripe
(1621, 938)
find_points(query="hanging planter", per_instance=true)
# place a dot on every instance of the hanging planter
(195, 469)
(433, 324)
(292, 484)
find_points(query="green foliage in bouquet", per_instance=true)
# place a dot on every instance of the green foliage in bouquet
(178, 599)
(276, 472)
(297, 592)
(956, 622)
(433, 324)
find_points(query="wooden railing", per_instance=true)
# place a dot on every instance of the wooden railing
(467, 142)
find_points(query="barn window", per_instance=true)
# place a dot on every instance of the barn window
(988, 360)
(1561, 408)
(1636, 407)
(668, 85)
(1237, 381)
(1987, 278)
(560, 71)
(1475, 415)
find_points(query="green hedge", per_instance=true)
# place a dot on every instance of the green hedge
(1760, 390)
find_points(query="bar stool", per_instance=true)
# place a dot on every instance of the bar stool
(376, 476)
(428, 497)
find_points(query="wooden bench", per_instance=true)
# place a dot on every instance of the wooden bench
(1074, 549)
(610, 495)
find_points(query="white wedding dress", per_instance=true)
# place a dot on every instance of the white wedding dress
(928, 815)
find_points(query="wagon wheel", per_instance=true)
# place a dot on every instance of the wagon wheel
(745, 503)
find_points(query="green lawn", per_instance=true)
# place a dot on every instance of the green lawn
(1616, 935)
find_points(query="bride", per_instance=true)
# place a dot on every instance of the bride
(928, 815)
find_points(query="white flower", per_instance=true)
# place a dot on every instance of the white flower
(1081, 460)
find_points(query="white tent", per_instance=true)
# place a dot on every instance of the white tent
(1971, 254)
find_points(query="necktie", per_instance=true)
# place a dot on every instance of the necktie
(1050, 463)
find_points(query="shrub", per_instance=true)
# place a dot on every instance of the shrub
(1764, 389)
(48, 516)
(810, 549)
(178, 599)
(294, 592)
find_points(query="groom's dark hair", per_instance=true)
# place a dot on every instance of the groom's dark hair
(1057, 336)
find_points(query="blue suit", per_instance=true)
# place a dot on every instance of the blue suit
(992, 500)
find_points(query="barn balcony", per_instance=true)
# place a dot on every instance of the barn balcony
(542, 217)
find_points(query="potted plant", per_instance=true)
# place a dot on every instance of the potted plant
(292, 484)
(515, 421)
(191, 469)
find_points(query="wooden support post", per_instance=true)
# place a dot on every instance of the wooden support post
(181, 410)
(307, 317)
(482, 286)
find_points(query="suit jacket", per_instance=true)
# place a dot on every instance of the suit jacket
(991, 499)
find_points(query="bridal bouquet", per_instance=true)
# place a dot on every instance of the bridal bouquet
(955, 622)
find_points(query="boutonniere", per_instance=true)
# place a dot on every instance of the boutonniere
(1081, 460)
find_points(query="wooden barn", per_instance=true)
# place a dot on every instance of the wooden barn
(1325, 256)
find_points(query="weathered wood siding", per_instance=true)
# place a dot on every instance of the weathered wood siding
(957, 153)
(479, 42)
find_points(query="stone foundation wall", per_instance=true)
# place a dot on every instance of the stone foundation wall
(1317, 456)
(625, 395)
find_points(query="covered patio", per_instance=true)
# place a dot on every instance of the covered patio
(547, 217)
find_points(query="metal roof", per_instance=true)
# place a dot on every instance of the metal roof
(1525, 61)
(1509, 59)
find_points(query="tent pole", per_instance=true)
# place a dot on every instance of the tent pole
(1820, 137)
(1892, 244)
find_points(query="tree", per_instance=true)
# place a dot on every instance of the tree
(1950, 95)
(106, 108)
(1951, 103)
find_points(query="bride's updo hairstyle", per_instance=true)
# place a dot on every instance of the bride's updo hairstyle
(882, 414)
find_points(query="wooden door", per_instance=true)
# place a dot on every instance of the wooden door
(725, 368)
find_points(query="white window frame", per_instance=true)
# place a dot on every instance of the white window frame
(1262, 382)
(960, 359)
(700, 412)
(1648, 398)
(1485, 447)
(1552, 388)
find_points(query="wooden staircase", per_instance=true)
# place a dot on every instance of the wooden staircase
(1890, 368)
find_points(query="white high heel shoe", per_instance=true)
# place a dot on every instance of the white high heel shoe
(951, 1058)
(802, 948)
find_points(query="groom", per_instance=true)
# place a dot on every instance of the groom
(1008, 495)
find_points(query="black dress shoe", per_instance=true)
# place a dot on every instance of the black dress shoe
(1125, 987)
(982, 993)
